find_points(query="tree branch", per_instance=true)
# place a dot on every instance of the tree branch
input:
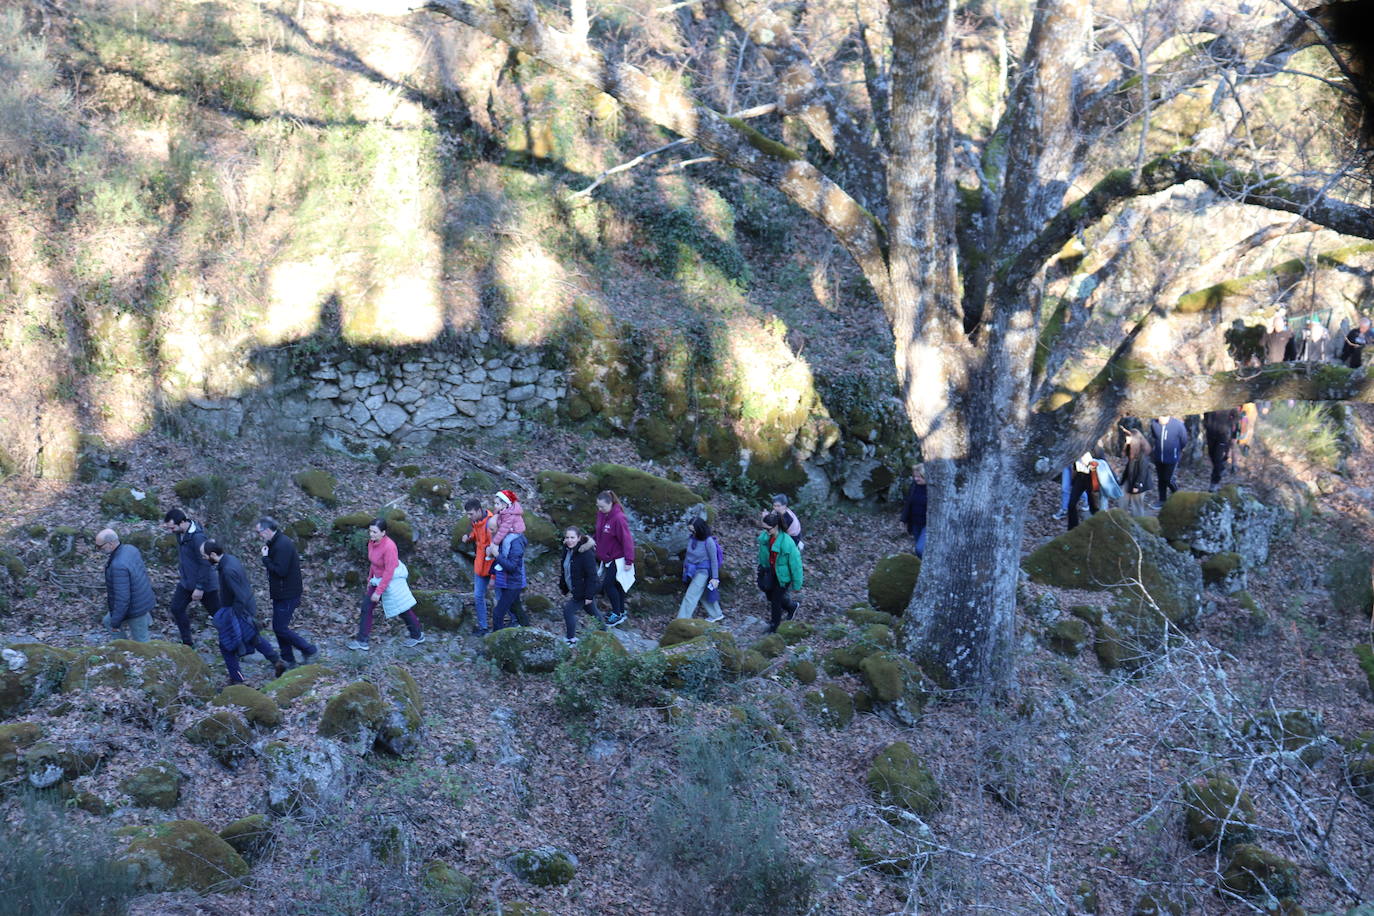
(1268, 191)
(517, 23)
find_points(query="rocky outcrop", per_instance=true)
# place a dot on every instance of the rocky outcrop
(182, 855)
(311, 778)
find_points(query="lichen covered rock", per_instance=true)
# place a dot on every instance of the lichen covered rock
(899, 777)
(445, 610)
(295, 683)
(681, 629)
(1068, 635)
(899, 689)
(169, 675)
(224, 734)
(155, 786)
(318, 485)
(354, 716)
(544, 866)
(1258, 874)
(447, 883)
(249, 836)
(1216, 812)
(524, 649)
(14, 737)
(892, 583)
(1224, 572)
(182, 855)
(831, 706)
(29, 672)
(311, 778)
(257, 707)
(403, 728)
(1293, 731)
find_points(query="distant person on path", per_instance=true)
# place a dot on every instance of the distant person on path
(577, 580)
(1135, 478)
(236, 620)
(790, 523)
(508, 574)
(480, 536)
(1084, 482)
(914, 509)
(1168, 438)
(1219, 427)
(284, 587)
(196, 581)
(780, 571)
(701, 572)
(1356, 339)
(128, 591)
(1277, 342)
(1245, 432)
(613, 542)
(510, 519)
(1314, 342)
(383, 561)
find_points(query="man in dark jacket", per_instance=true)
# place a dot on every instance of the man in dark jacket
(128, 591)
(283, 566)
(1168, 438)
(236, 620)
(914, 509)
(1352, 350)
(577, 579)
(196, 581)
(1220, 427)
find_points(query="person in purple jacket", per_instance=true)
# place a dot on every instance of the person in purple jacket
(1168, 439)
(613, 542)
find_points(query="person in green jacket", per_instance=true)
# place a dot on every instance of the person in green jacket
(780, 570)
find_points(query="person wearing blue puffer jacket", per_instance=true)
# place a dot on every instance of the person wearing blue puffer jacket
(196, 581)
(1168, 439)
(508, 575)
(236, 618)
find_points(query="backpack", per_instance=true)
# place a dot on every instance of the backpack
(720, 554)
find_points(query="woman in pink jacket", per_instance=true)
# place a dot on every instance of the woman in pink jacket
(382, 561)
(613, 542)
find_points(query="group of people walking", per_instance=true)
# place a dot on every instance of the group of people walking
(218, 581)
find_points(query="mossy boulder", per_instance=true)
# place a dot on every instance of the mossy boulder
(544, 866)
(752, 663)
(542, 534)
(403, 728)
(1157, 904)
(354, 716)
(154, 786)
(888, 851)
(536, 604)
(1067, 636)
(682, 629)
(302, 529)
(169, 675)
(524, 649)
(900, 778)
(1203, 521)
(318, 485)
(192, 488)
(792, 632)
(804, 670)
(567, 498)
(47, 763)
(478, 483)
(1087, 613)
(257, 707)
(831, 706)
(1224, 572)
(447, 883)
(182, 855)
(655, 501)
(433, 490)
(14, 738)
(352, 521)
(296, 683)
(1259, 874)
(864, 615)
(771, 646)
(461, 529)
(1217, 812)
(898, 687)
(846, 659)
(892, 583)
(224, 733)
(123, 501)
(1349, 582)
(443, 610)
(1293, 731)
(697, 663)
(29, 672)
(249, 836)
(311, 778)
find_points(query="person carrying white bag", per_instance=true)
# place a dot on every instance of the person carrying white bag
(387, 586)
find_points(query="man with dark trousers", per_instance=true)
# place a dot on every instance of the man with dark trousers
(236, 621)
(283, 566)
(1168, 439)
(1220, 426)
(196, 580)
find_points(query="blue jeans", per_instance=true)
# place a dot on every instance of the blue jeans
(288, 639)
(919, 536)
(509, 603)
(479, 598)
(231, 659)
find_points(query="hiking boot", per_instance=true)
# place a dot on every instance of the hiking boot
(234, 683)
(414, 641)
(279, 667)
(357, 646)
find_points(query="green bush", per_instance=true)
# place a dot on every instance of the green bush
(1302, 431)
(712, 835)
(50, 866)
(600, 672)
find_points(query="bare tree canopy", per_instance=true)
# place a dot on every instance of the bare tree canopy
(1035, 193)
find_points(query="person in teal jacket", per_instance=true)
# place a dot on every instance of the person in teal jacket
(780, 570)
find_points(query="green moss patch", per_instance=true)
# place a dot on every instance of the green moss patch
(1068, 635)
(1217, 812)
(354, 715)
(544, 866)
(257, 707)
(154, 786)
(224, 733)
(183, 855)
(295, 683)
(249, 836)
(318, 485)
(792, 632)
(892, 583)
(524, 649)
(831, 706)
(899, 777)
(121, 501)
(433, 490)
(169, 675)
(1257, 873)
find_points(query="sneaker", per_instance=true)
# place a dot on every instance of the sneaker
(234, 683)
(308, 658)
(791, 611)
(715, 619)
(358, 646)
(571, 641)
(414, 641)
(1058, 516)
(615, 620)
(279, 667)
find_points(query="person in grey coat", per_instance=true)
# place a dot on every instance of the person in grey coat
(128, 590)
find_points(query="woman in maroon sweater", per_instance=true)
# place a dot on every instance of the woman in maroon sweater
(613, 542)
